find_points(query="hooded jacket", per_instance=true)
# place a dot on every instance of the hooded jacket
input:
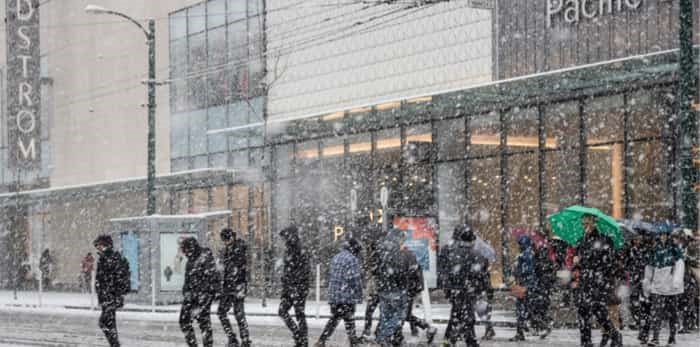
(665, 269)
(201, 277)
(235, 273)
(595, 266)
(296, 263)
(525, 265)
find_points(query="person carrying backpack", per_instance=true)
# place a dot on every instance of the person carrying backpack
(198, 291)
(112, 282)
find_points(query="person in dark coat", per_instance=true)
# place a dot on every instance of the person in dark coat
(295, 286)
(234, 260)
(635, 261)
(415, 287)
(392, 286)
(459, 269)
(198, 291)
(545, 276)
(594, 258)
(46, 267)
(525, 277)
(344, 291)
(371, 270)
(110, 292)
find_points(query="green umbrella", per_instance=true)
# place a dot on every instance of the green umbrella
(567, 225)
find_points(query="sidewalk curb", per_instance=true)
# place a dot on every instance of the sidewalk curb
(499, 324)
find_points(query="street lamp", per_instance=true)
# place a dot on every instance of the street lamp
(151, 82)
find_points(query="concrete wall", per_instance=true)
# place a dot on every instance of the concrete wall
(325, 55)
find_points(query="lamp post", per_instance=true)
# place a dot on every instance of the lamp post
(151, 83)
(687, 117)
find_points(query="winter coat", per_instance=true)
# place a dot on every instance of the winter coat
(393, 274)
(595, 266)
(664, 272)
(235, 269)
(345, 280)
(545, 271)
(201, 277)
(635, 262)
(107, 277)
(460, 268)
(415, 274)
(297, 269)
(525, 265)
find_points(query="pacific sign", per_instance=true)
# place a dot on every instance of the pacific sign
(574, 10)
(23, 83)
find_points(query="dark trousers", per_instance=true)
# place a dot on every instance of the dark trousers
(589, 308)
(372, 304)
(225, 304)
(296, 300)
(414, 321)
(200, 310)
(661, 306)
(539, 315)
(461, 323)
(108, 324)
(346, 312)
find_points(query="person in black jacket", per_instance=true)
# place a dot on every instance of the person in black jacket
(392, 286)
(110, 292)
(595, 258)
(372, 234)
(459, 277)
(235, 285)
(415, 287)
(199, 289)
(295, 286)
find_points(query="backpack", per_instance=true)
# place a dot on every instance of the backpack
(123, 276)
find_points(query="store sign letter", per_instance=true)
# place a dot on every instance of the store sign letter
(23, 84)
(573, 10)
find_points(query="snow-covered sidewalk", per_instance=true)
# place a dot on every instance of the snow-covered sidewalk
(253, 306)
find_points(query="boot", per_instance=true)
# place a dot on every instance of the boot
(671, 340)
(430, 335)
(545, 333)
(604, 340)
(616, 340)
(488, 334)
(519, 336)
(320, 343)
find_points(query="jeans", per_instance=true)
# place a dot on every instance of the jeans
(392, 306)
(461, 323)
(108, 324)
(296, 300)
(225, 304)
(199, 309)
(345, 312)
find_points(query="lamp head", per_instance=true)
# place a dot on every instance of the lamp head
(95, 9)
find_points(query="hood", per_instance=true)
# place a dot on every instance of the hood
(524, 243)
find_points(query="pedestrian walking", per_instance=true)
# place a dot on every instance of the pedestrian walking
(663, 283)
(544, 266)
(687, 301)
(234, 261)
(295, 286)
(46, 269)
(392, 285)
(86, 266)
(636, 256)
(371, 270)
(112, 283)
(415, 287)
(201, 285)
(525, 280)
(344, 291)
(594, 258)
(614, 300)
(458, 276)
(483, 306)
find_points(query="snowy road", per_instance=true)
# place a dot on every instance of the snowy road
(65, 328)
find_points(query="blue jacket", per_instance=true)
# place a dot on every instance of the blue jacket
(345, 280)
(524, 265)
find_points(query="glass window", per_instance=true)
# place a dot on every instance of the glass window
(178, 57)
(562, 179)
(388, 147)
(238, 139)
(198, 133)
(200, 162)
(650, 185)
(177, 165)
(561, 125)
(217, 120)
(359, 169)
(195, 19)
(283, 160)
(216, 13)
(179, 95)
(198, 52)
(604, 119)
(604, 171)
(523, 191)
(451, 139)
(451, 198)
(255, 136)
(179, 135)
(178, 25)
(419, 143)
(648, 114)
(238, 114)
(255, 7)
(218, 160)
(216, 76)
(239, 159)
(484, 135)
(522, 130)
(237, 42)
(255, 110)
(236, 10)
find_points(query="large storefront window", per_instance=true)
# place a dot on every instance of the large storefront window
(484, 204)
(562, 168)
(522, 148)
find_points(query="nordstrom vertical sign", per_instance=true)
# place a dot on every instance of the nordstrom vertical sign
(23, 84)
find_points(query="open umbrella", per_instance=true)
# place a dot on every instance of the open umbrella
(567, 225)
(484, 249)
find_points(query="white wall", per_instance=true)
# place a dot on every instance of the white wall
(320, 61)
